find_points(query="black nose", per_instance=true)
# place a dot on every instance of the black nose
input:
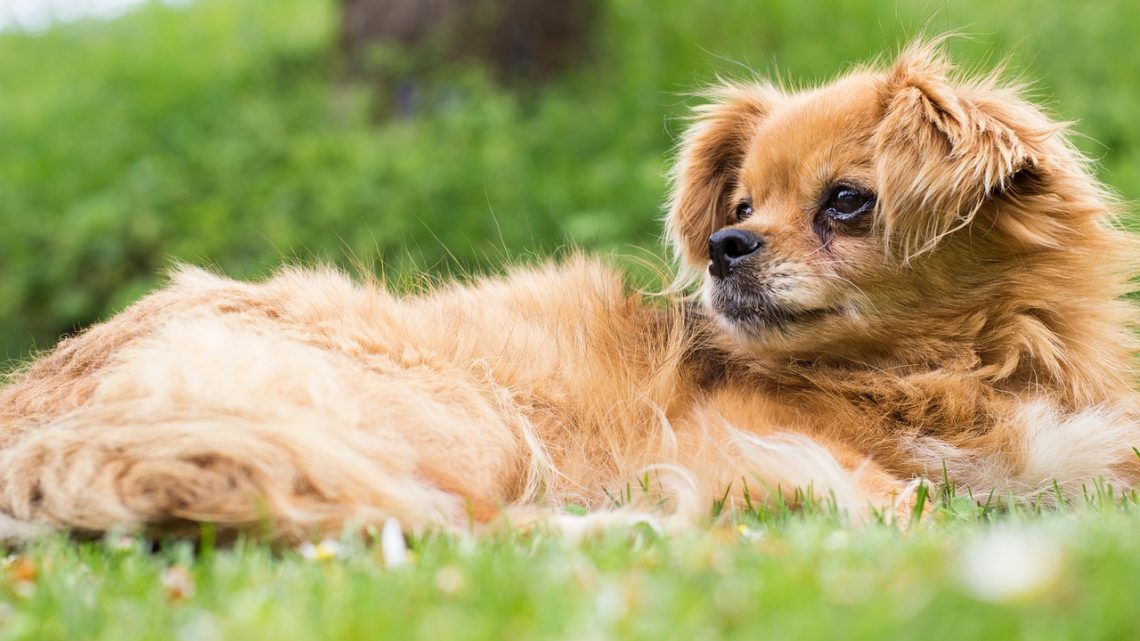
(729, 247)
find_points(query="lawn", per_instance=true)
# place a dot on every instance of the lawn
(1061, 575)
(223, 133)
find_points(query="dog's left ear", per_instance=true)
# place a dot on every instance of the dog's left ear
(946, 148)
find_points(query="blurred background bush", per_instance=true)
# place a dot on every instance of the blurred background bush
(246, 133)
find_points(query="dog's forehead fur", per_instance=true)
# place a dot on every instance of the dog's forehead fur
(814, 135)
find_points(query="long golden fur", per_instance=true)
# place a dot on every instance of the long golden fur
(934, 287)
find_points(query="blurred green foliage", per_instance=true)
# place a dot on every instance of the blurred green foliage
(223, 134)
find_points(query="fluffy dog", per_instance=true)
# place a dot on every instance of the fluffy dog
(904, 274)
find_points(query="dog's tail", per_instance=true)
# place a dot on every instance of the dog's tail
(100, 470)
(209, 420)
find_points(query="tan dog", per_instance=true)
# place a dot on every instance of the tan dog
(903, 272)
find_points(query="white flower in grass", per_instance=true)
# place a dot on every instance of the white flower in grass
(750, 534)
(1008, 565)
(836, 540)
(323, 551)
(450, 580)
(392, 545)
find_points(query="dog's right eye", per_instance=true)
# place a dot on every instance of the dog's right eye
(743, 210)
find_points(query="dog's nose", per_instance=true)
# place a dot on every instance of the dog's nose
(729, 247)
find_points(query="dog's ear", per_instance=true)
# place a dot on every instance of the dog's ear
(710, 155)
(945, 148)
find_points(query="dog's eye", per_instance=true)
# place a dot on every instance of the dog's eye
(846, 203)
(743, 210)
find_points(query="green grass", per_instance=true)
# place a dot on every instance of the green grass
(220, 134)
(787, 576)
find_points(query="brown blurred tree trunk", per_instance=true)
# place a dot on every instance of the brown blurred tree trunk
(520, 40)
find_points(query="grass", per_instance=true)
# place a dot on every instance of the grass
(965, 572)
(219, 134)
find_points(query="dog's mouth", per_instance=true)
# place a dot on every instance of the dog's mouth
(757, 314)
(754, 311)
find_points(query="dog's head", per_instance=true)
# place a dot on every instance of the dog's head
(877, 211)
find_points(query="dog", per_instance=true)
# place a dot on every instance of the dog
(906, 274)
